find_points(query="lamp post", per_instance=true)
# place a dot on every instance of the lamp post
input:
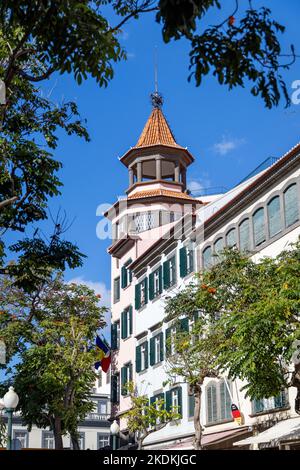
(10, 402)
(114, 430)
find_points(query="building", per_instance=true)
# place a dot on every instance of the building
(94, 431)
(161, 236)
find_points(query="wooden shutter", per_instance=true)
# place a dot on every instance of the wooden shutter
(137, 296)
(129, 312)
(179, 400)
(123, 380)
(152, 351)
(160, 279)
(138, 358)
(146, 355)
(151, 286)
(123, 277)
(184, 325)
(146, 289)
(124, 332)
(130, 376)
(161, 339)
(182, 262)
(168, 400)
(114, 329)
(168, 342)
(166, 270)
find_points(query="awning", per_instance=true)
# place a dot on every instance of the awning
(288, 429)
(207, 439)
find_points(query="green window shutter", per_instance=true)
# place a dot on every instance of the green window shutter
(137, 296)
(172, 266)
(161, 339)
(152, 400)
(168, 400)
(151, 286)
(146, 289)
(168, 342)
(179, 389)
(160, 279)
(152, 351)
(130, 375)
(258, 406)
(114, 389)
(138, 358)
(114, 336)
(123, 277)
(191, 405)
(146, 355)
(182, 262)
(166, 270)
(124, 325)
(123, 380)
(192, 256)
(129, 312)
(184, 325)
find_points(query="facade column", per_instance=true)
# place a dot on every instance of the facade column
(139, 171)
(131, 180)
(183, 176)
(158, 169)
(177, 172)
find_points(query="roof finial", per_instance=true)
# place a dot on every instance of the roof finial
(156, 97)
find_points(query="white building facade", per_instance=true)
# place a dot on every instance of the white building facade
(157, 253)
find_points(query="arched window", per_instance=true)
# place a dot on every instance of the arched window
(274, 216)
(206, 258)
(244, 233)
(259, 226)
(218, 247)
(291, 209)
(218, 402)
(231, 238)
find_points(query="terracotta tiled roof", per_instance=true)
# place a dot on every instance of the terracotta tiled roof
(156, 131)
(161, 192)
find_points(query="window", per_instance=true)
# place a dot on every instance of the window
(102, 406)
(186, 261)
(244, 232)
(126, 274)
(259, 227)
(156, 349)
(142, 357)
(155, 283)
(141, 294)
(103, 440)
(99, 382)
(206, 258)
(218, 248)
(117, 289)
(158, 401)
(274, 216)
(218, 402)
(47, 440)
(170, 340)
(81, 441)
(115, 388)
(174, 400)
(291, 209)
(126, 323)
(169, 271)
(231, 238)
(115, 335)
(126, 376)
(22, 436)
(191, 406)
(267, 404)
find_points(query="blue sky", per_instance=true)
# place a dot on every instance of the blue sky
(229, 133)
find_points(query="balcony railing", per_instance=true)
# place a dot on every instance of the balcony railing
(97, 417)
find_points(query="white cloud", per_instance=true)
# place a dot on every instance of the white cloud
(131, 55)
(99, 288)
(227, 144)
(197, 185)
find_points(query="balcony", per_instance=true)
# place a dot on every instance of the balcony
(97, 417)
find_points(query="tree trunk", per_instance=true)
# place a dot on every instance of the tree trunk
(295, 382)
(57, 434)
(197, 411)
(74, 441)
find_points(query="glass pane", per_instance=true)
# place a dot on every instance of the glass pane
(206, 257)
(245, 235)
(219, 245)
(291, 208)
(259, 227)
(274, 218)
(231, 238)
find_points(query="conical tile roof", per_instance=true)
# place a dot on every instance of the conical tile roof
(156, 131)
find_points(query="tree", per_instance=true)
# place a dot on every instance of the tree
(56, 355)
(191, 351)
(144, 417)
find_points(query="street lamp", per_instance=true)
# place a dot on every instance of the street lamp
(114, 430)
(10, 402)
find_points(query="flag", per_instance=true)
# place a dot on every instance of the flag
(103, 353)
(236, 414)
